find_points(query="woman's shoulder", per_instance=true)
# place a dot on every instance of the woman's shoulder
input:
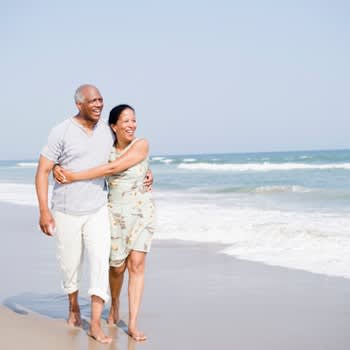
(141, 142)
(140, 146)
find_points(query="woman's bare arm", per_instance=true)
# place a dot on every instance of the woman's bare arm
(137, 152)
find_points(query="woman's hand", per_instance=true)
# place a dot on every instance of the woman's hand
(68, 176)
(63, 176)
(57, 173)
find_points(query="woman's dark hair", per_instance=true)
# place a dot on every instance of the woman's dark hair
(115, 113)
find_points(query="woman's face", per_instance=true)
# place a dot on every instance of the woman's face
(126, 125)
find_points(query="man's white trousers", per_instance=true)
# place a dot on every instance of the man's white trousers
(75, 233)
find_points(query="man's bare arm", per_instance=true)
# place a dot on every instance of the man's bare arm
(46, 221)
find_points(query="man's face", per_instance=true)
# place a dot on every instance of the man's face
(92, 105)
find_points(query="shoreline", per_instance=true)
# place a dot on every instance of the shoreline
(195, 298)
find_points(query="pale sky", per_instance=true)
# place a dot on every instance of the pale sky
(204, 76)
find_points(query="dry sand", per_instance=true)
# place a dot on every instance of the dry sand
(195, 298)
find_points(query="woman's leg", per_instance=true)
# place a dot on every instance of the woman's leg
(136, 268)
(116, 277)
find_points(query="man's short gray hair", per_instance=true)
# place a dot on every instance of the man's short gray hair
(79, 96)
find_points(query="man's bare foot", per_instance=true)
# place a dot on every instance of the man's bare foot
(136, 334)
(113, 316)
(74, 319)
(96, 332)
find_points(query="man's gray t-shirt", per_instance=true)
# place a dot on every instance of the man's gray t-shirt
(73, 148)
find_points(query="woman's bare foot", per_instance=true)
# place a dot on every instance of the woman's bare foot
(113, 316)
(74, 319)
(136, 334)
(96, 333)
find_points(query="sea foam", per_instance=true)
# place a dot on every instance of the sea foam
(286, 188)
(317, 242)
(23, 194)
(28, 164)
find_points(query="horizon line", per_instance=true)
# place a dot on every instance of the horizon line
(217, 153)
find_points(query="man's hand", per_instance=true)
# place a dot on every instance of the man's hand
(47, 223)
(148, 181)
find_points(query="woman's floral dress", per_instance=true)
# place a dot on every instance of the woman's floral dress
(131, 211)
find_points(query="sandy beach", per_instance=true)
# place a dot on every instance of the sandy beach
(195, 298)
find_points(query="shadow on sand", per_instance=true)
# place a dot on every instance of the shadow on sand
(54, 306)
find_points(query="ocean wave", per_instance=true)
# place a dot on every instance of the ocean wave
(161, 160)
(28, 164)
(259, 189)
(167, 161)
(263, 167)
(23, 194)
(285, 188)
(312, 241)
(316, 242)
(189, 160)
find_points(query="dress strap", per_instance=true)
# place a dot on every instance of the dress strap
(127, 147)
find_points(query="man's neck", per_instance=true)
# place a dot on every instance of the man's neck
(87, 124)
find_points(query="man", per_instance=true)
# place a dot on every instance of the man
(79, 211)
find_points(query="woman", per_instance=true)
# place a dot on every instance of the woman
(131, 211)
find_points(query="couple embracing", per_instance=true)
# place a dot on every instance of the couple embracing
(115, 225)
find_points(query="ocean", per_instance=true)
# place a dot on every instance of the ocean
(289, 209)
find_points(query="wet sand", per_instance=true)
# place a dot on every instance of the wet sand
(195, 298)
